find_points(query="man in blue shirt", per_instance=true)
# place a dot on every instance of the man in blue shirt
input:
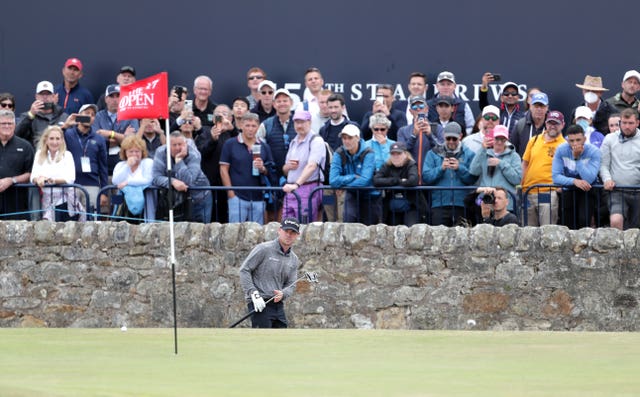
(575, 166)
(71, 96)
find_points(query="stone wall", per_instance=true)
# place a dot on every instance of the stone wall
(106, 274)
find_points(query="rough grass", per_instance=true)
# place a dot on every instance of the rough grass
(245, 362)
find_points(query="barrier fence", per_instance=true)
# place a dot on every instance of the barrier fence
(434, 205)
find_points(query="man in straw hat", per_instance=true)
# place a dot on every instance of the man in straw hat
(592, 91)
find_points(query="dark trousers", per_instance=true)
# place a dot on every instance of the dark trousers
(578, 208)
(272, 316)
(447, 216)
(362, 207)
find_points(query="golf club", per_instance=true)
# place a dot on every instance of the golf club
(311, 277)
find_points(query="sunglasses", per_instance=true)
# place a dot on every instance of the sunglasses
(451, 138)
(490, 117)
(416, 107)
(6, 105)
(379, 129)
(255, 77)
(510, 94)
(266, 92)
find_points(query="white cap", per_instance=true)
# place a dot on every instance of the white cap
(491, 109)
(631, 73)
(268, 83)
(351, 130)
(44, 86)
(282, 91)
(585, 112)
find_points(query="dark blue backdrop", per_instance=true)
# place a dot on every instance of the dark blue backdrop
(550, 44)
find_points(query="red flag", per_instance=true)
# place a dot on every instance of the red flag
(147, 98)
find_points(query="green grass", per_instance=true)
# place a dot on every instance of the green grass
(245, 362)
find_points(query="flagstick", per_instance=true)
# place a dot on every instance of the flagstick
(172, 239)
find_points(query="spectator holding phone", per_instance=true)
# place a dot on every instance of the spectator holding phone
(418, 137)
(510, 111)
(484, 138)
(44, 112)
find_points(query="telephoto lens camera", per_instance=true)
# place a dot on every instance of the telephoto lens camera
(488, 198)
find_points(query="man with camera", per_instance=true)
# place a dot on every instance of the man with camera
(43, 113)
(493, 204)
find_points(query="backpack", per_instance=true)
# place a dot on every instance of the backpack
(328, 156)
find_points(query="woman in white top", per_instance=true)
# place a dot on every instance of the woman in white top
(54, 165)
(132, 175)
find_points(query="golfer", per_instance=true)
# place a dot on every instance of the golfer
(270, 267)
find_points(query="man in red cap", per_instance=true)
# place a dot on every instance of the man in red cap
(71, 96)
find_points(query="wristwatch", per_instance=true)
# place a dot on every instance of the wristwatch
(14, 180)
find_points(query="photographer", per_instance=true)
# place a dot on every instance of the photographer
(493, 203)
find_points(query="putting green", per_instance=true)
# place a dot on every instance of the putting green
(245, 362)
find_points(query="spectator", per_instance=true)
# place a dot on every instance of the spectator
(43, 113)
(239, 107)
(255, 76)
(530, 93)
(16, 160)
(461, 112)
(331, 129)
(54, 165)
(447, 166)
(178, 115)
(7, 101)
(627, 99)
(353, 166)
(510, 111)
(490, 119)
(614, 122)
(71, 96)
(185, 174)
(497, 163)
(313, 82)
(619, 167)
(264, 107)
(384, 104)
(111, 128)
(531, 124)
(575, 166)
(89, 152)
(152, 135)
(210, 145)
(445, 110)
(322, 116)
(302, 168)
(202, 105)
(592, 91)
(379, 143)
(417, 88)
(496, 213)
(418, 137)
(542, 203)
(583, 117)
(126, 75)
(400, 170)
(133, 175)
(239, 167)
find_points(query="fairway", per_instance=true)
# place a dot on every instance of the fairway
(245, 362)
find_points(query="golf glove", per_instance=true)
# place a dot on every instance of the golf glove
(258, 302)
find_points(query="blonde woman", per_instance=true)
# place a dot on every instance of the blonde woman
(53, 165)
(132, 175)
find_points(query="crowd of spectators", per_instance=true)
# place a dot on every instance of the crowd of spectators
(412, 161)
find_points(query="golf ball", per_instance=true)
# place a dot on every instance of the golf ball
(471, 322)
(124, 328)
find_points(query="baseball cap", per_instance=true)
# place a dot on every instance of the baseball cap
(417, 99)
(631, 73)
(397, 147)
(290, 224)
(88, 106)
(268, 83)
(112, 89)
(446, 76)
(301, 115)
(509, 84)
(444, 99)
(128, 69)
(281, 91)
(351, 130)
(44, 86)
(73, 62)
(540, 97)
(583, 111)
(500, 131)
(556, 116)
(491, 109)
(452, 129)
